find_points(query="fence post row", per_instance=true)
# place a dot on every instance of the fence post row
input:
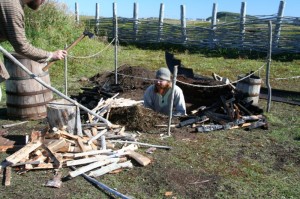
(242, 24)
(161, 21)
(183, 23)
(135, 20)
(278, 24)
(212, 38)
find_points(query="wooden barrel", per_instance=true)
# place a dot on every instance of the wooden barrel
(250, 87)
(26, 98)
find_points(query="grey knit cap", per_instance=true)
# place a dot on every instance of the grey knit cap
(163, 73)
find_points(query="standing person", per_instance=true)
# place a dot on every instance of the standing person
(12, 29)
(158, 96)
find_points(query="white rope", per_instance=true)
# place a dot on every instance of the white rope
(200, 86)
(215, 86)
(90, 56)
(296, 77)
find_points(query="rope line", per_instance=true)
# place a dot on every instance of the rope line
(90, 56)
(200, 86)
(295, 77)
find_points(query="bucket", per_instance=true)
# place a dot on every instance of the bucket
(249, 86)
(26, 98)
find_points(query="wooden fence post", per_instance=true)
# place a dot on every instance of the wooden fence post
(135, 20)
(97, 18)
(268, 67)
(160, 22)
(213, 26)
(76, 12)
(242, 24)
(183, 24)
(115, 18)
(278, 23)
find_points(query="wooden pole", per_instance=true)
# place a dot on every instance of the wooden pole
(15, 61)
(183, 23)
(268, 67)
(160, 22)
(116, 40)
(213, 25)
(76, 12)
(172, 99)
(278, 23)
(242, 24)
(135, 20)
(97, 19)
(102, 186)
(66, 72)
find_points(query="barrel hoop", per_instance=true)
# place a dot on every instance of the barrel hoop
(28, 93)
(28, 116)
(27, 105)
(29, 77)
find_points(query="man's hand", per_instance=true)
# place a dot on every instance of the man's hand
(58, 55)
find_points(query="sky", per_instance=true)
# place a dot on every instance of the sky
(194, 8)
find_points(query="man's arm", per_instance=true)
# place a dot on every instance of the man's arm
(148, 102)
(179, 102)
(15, 32)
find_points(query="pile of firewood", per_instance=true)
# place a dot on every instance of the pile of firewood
(91, 155)
(229, 112)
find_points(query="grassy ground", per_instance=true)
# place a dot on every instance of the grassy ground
(220, 164)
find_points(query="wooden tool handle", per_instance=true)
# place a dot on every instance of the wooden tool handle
(68, 48)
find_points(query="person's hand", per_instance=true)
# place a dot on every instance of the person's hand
(58, 55)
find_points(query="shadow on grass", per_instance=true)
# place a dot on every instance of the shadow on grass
(3, 114)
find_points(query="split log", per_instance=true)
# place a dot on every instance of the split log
(110, 167)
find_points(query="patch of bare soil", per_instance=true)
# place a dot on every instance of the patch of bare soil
(132, 83)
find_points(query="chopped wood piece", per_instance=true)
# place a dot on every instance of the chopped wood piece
(58, 145)
(40, 166)
(92, 166)
(142, 160)
(24, 152)
(7, 176)
(56, 181)
(110, 167)
(87, 160)
(97, 136)
(94, 152)
(12, 125)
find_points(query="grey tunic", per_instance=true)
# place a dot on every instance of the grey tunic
(12, 28)
(160, 103)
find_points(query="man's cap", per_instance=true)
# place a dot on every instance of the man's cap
(164, 74)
